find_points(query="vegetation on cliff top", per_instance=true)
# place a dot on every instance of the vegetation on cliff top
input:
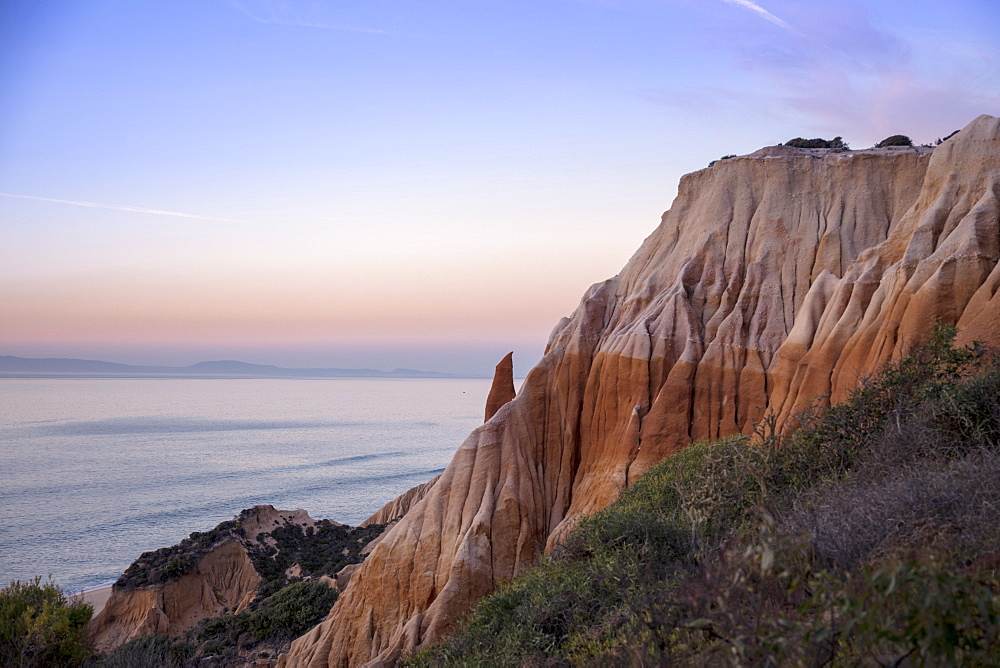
(283, 608)
(866, 536)
(318, 550)
(170, 563)
(895, 140)
(799, 142)
(322, 549)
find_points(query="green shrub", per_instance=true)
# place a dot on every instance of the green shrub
(919, 612)
(276, 619)
(170, 563)
(39, 627)
(292, 611)
(148, 651)
(895, 140)
(799, 142)
(763, 602)
(320, 550)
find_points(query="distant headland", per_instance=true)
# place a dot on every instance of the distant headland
(60, 367)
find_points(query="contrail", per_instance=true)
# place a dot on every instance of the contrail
(132, 209)
(763, 13)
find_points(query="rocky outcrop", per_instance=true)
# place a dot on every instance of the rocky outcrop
(169, 591)
(776, 280)
(223, 579)
(502, 389)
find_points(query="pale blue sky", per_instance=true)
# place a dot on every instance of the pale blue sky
(406, 184)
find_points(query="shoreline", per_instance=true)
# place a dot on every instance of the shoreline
(97, 597)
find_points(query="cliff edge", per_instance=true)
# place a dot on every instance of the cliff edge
(776, 280)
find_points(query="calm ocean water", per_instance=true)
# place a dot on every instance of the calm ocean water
(93, 472)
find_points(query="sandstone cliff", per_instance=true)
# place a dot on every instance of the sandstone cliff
(776, 280)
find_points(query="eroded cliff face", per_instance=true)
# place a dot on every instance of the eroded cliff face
(221, 578)
(775, 280)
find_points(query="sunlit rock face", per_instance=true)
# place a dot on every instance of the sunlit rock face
(775, 280)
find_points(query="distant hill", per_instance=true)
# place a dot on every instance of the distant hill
(59, 367)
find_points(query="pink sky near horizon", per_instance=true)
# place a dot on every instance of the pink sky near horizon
(382, 184)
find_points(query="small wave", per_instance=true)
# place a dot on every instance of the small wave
(356, 458)
(368, 480)
(86, 589)
(110, 486)
(179, 425)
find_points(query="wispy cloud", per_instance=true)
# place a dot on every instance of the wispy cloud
(283, 14)
(760, 11)
(845, 72)
(131, 209)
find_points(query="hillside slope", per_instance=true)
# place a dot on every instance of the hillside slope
(776, 279)
(867, 536)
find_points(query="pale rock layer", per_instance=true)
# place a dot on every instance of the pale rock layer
(775, 281)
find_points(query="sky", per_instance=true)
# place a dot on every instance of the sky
(383, 184)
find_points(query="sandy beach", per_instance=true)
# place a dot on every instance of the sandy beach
(96, 597)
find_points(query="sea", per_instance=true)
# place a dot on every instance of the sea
(96, 471)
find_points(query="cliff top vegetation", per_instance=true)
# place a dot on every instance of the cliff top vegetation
(322, 549)
(799, 142)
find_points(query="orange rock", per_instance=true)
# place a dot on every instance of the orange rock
(776, 280)
(502, 389)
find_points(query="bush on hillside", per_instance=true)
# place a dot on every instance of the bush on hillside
(895, 140)
(170, 563)
(39, 627)
(799, 142)
(320, 550)
(159, 651)
(275, 620)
